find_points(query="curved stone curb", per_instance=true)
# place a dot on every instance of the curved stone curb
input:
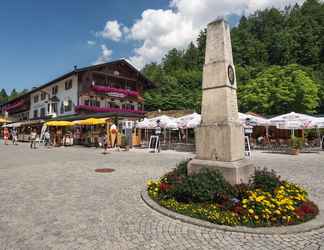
(314, 224)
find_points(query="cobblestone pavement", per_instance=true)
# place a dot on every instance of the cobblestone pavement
(53, 199)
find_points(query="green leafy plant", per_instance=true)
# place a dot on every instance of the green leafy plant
(265, 179)
(296, 143)
(200, 187)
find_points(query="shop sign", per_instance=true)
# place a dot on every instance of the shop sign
(115, 94)
(248, 130)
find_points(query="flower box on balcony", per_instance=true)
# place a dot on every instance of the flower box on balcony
(104, 89)
(107, 110)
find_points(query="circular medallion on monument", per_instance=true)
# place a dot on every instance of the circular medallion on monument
(231, 76)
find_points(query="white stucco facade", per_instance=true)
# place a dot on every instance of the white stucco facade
(40, 106)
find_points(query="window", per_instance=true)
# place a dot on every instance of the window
(68, 107)
(36, 98)
(35, 113)
(42, 112)
(54, 90)
(95, 103)
(62, 108)
(54, 107)
(113, 105)
(92, 102)
(43, 96)
(68, 84)
(130, 106)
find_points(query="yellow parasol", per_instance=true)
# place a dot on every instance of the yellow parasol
(59, 123)
(3, 120)
(91, 121)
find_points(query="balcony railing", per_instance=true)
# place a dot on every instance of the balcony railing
(104, 89)
(107, 110)
(14, 106)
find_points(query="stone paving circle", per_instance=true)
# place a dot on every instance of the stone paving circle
(53, 199)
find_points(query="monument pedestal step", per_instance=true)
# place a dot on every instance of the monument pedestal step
(235, 172)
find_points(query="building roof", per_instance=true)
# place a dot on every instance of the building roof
(147, 82)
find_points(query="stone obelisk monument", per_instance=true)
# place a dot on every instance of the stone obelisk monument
(219, 138)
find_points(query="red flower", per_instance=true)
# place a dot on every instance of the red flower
(165, 186)
(238, 209)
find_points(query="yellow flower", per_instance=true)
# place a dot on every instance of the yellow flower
(256, 217)
(260, 198)
(251, 211)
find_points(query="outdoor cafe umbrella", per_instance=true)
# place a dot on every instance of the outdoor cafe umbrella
(195, 122)
(292, 121)
(3, 120)
(257, 120)
(59, 123)
(91, 122)
(183, 121)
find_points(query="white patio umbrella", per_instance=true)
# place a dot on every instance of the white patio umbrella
(172, 124)
(193, 123)
(258, 120)
(164, 120)
(318, 122)
(292, 121)
(143, 124)
(184, 120)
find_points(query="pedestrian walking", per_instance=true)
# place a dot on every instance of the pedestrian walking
(105, 143)
(47, 137)
(6, 135)
(158, 131)
(14, 136)
(33, 137)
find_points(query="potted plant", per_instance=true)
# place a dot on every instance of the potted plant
(295, 145)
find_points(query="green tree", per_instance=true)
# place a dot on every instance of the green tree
(279, 90)
(3, 96)
(173, 60)
(13, 94)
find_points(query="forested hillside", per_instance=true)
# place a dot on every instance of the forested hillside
(4, 97)
(279, 59)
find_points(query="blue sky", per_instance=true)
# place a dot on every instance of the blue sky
(43, 39)
(40, 40)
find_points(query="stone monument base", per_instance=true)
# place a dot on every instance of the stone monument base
(235, 172)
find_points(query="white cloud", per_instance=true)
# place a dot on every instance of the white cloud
(105, 55)
(159, 30)
(91, 43)
(112, 31)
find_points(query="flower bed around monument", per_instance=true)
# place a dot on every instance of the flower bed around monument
(265, 201)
